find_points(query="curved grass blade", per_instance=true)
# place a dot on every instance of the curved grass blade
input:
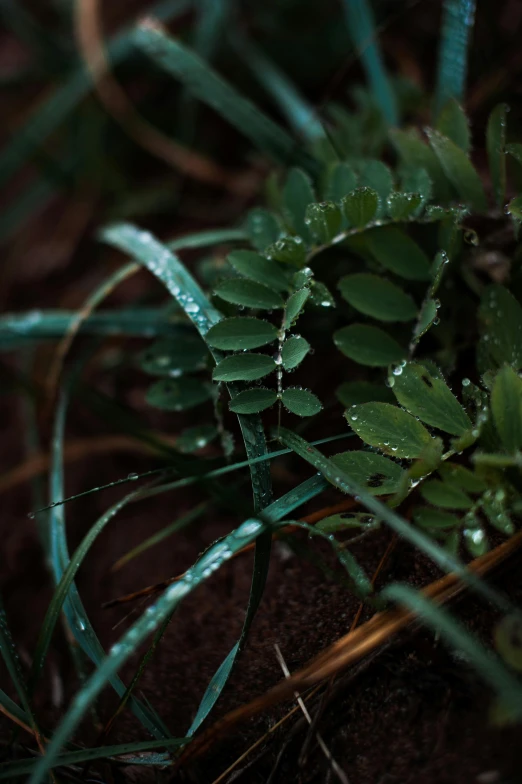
(162, 263)
(203, 239)
(343, 481)
(10, 657)
(363, 31)
(457, 23)
(485, 662)
(211, 560)
(64, 586)
(205, 84)
(20, 330)
(166, 266)
(190, 480)
(300, 115)
(73, 607)
(26, 766)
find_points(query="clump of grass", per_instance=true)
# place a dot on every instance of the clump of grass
(367, 242)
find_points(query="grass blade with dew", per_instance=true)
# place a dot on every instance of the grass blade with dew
(64, 586)
(20, 330)
(165, 265)
(489, 666)
(203, 239)
(457, 23)
(218, 554)
(26, 766)
(301, 117)
(402, 527)
(363, 31)
(206, 85)
(73, 608)
(187, 292)
(12, 663)
(17, 330)
(49, 115)
(190, 480)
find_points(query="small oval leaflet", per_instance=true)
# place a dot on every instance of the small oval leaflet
(475, 539)
(500, 317)
(301, 402)
(185, 353)
(252, 401)
(244, 367)
(178, 395)
(435, 519)
(194, 438)
(417, 180)
(263, 228)
(298, 193)
(323, 220)
(459, 170)
(294, 351)
(368, 345)
(237, 333)
(414, 153)
(289, 250)
(320, 296)
(388, 427)
(427, 319)
(294, 306)
(456, 474)
(397, 252)
(247, 293)
(402, 206)
(258, 268)
(360, 206)
(445, 495)
(430, 399)
(341, 180)
(453, 123)
(376, 473)
(377, 297)
(506, 406)
(376, 175)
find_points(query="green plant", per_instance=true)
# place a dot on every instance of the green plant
(373, 262)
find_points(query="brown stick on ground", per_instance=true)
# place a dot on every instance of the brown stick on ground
(348, 649)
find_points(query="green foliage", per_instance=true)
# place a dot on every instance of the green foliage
(365, 226)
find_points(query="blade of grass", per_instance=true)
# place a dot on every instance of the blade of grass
(189, 480)
(20, 330)
(26, 766)
(362, 28)
(64, 586)
(12, 663)
(414, 536)
(213, 559)
(205, 84)
(489, 666)
(189, 295)
(301, 117)
(74, 611)
(457, 23)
